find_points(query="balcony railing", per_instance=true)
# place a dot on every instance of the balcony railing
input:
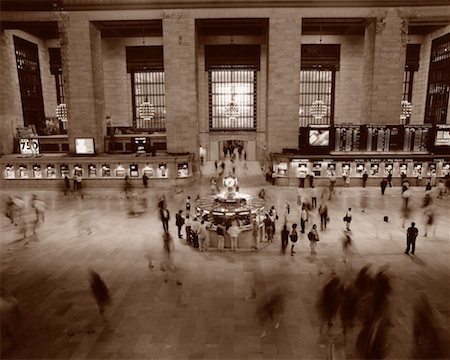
(152, 125)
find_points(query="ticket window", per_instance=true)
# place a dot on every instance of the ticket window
(331, 169)
(403, 169)
(64, 169)
(37, 172)
(92, 170)
(417, 170)
(78, 170)
(360, 169)
(162, 170)
(50, 172)
(346, 169)
(106, 170)
(148, 170)
(374, 169)
(317, 169)
(388, 169)
(10, 172)
(281, 169)
(134, 170)
(445, 169)
(431, 169)
(23, 172)
(120, 171)
(302, 171)
(183, 170)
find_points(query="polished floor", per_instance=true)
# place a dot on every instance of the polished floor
(212, 315)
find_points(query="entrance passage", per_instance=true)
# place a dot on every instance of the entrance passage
(237, 148)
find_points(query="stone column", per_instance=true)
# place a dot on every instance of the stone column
(283, 80)
(181, 89)
(384, 66)
(81, 52)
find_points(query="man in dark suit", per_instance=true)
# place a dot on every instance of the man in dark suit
(165, 217)
(179, 222)
(411, 236)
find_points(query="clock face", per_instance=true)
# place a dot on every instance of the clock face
(229, 182)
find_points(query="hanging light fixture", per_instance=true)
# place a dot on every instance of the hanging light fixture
(318, 108)
(406, 111)
(146, 110)
(61, 112)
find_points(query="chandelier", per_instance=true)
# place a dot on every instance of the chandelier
(318, 109)
(61, 112)
(406, 111)
(146, 110)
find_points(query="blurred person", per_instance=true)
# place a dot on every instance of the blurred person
(406, 195)
(429, 219)
(287, 210)
(349, 307)
(100, 292)
(262, 194)
(188, 205)
(273, 217)
(347, 246)
(441, 189)
(39, 207)
(428, 186)
(364, 200)
(364, 281)
(271, 309)
(127, 186)
(10, 317)
(145, 180)
(427, 339)
(389, 178)
(303, 218)
(293, 237)
(371, 342)
(329, 301)
(427, 200)
(284, 238)
(383, 186)
(365, 176)
(381, 291)
(268, 226)
(313, 237)
(323, 212)
(314, 197)
(168, 264)
(332, 184)
(255, 234)
(411, 235)
(406, 214)
(66, 185)
(221, 237)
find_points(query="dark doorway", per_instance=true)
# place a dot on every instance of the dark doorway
(27, 61)
(229, 148)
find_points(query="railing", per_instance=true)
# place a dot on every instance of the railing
(232, 124)
(151, 125)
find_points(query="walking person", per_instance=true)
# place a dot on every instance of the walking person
(383, 185)
(168, 264)
(66, 185)
(294, 238)
(188, 205)
(165, 217)
(348, 219)
(313, 237)
(303, 219)
(323, 212)
(100, 292)
(255, 234)
(187, 228)
(145, 180)
(332, 184)
(389, 179)
(411, 235)
(179, 222)
(202, 236)
(365, 176)
(271, 309)
(284, 238)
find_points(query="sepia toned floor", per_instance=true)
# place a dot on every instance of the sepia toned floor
(212, 315)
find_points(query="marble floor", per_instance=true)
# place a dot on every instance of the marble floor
(212, 314)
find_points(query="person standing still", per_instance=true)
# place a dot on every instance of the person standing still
(188, 205)
(220, 237)
(303, 219)
(179, 222)
(294, 238)
(389, 179)
(145, 180)
(313, 237)
(411, 236)
(233, 231)
(314, 197)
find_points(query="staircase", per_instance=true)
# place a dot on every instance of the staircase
(251, 175)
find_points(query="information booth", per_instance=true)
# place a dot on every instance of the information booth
(403, 168)
(345, 169)
(417, 170)
(281, 169)
(317, 169)
(375, 169)
(360, 168)
(331, 169)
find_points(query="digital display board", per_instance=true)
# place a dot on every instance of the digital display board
(84, 146)
(442, 138)
(318, 137)
(29, 146)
